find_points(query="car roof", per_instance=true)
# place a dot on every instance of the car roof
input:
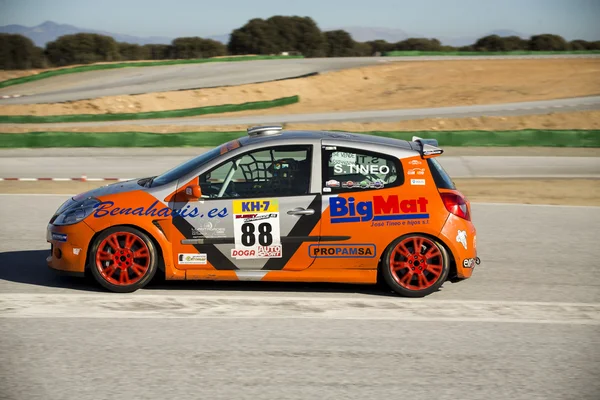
(286, 135)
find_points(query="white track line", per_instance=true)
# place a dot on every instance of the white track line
(109, 305)
(11, 96)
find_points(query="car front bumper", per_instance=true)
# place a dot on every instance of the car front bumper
(68, 247)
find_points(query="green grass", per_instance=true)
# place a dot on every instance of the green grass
(486, 53)
(186, 112)
(543, 138)
(98, 67)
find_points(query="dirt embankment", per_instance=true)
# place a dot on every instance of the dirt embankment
(567, 120)
(386, 86)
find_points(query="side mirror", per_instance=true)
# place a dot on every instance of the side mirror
(193, 192)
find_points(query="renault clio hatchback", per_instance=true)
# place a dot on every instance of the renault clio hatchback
(275, 205)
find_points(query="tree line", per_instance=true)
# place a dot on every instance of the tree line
(276, 35)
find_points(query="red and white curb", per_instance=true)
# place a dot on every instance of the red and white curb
(83, 178)
(11, 96)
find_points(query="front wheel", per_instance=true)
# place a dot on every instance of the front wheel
(415, 265)
(123, 259)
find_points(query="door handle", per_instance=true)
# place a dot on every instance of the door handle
(301, 211)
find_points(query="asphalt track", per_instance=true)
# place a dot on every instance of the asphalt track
(503, 109)
(525, 326)
(139, 162)
(125, 81)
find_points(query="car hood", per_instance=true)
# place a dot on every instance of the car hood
(113, 188)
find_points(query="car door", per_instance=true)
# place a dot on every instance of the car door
(257, 212)
(354, 177)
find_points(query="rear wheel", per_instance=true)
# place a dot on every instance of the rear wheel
(123, 259)
(415, 265)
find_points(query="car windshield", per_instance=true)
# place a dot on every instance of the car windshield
(186, 167)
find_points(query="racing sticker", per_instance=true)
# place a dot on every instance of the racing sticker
(377, 184)
(469, 263)
(371, 169)
(350, 163)
(416, 171)
(342, 250)
(256, 229)
(461, 238)
(194, 259)
(381, 211)
(343, 158)
(59, 237)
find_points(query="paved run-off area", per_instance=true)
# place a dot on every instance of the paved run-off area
(525, 326)
(569, 176)
(141, 162)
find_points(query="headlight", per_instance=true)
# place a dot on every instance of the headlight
(78, 211)
(67, 204)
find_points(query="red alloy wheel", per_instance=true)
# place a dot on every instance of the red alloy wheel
(416, 263)
(123, 258)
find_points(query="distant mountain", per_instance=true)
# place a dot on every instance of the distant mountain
(220, 38)
(365, 33)
(49, 31)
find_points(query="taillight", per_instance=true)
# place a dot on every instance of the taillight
(456, 204)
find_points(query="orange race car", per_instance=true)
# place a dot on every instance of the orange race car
(302, 206)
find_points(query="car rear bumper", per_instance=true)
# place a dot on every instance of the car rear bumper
(461, 237)
(68, 247)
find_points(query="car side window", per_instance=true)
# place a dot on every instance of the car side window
(273, 172)
(347, 169)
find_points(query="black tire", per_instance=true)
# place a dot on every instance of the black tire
(434, 280)
(107, 280)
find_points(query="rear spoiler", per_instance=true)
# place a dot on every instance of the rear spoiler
(427, 147)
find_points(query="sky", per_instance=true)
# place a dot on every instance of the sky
(573, 19)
